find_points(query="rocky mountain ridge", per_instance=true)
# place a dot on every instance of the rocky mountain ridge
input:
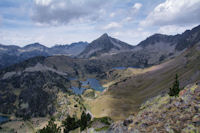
(159, 48)
(13, 54)
(153, 50)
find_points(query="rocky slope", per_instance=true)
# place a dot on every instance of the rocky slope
(165, 114)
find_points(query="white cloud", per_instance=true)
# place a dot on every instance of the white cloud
(43, 2)
(0, 19)
(65, 11)
(132, 37)
(48, 35)
(112, 25)
(173, 29)
(85, 20)
(116, 34)
(137, 7)
(112, 14)
(127, 19)
(174, 12)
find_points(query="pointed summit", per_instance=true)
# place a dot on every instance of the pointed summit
(105, 35)
(104, 45)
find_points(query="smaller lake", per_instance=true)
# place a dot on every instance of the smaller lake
(78, 91)
(3, 119)
(72, 78)
(91, 82)
(119, 68)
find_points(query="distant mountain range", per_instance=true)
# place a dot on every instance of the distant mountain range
(151, 51)
(156, 49)
(13, 54)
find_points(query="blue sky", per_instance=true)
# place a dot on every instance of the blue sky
(51, 22)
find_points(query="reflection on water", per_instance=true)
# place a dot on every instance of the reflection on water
(78, 91)
(3, 119)
(91, 82)
(119, 68)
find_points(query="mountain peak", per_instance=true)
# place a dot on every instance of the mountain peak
(104, 35)
(34, 45)
(104, 45)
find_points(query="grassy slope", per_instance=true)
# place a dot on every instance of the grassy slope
(124, 97)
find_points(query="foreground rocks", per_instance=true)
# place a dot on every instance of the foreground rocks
(165, 114)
